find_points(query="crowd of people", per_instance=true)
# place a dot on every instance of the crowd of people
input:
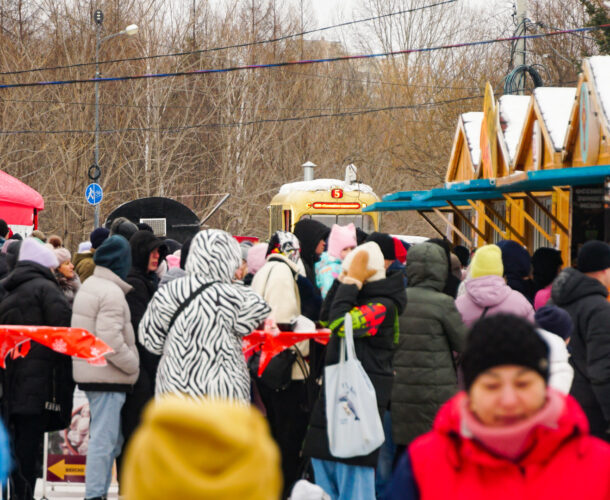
(490, 368)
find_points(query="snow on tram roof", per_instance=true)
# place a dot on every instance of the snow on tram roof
(324, 185)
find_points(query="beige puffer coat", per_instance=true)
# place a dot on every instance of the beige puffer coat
(100, 307)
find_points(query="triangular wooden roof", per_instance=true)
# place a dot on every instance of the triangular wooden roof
(543, 133)
(465, 153)
(587, 140)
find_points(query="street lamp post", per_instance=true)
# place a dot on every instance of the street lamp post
(131, 30)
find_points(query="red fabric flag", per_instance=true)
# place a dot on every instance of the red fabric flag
(271, 344)
(15, 340)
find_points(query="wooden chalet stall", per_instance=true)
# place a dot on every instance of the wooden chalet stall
(534, 169)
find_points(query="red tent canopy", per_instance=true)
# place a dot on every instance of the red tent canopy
(18, 202)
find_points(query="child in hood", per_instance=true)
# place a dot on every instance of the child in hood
(341, 241)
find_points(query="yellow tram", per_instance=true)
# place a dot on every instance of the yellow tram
(330, 201)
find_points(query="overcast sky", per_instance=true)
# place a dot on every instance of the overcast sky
(330, 11)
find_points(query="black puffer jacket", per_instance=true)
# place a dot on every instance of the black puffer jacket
(310, 232)
(430, 329)
(585, 299)
(43, 376)
(144, 285)
(3, 265)
(374, 352)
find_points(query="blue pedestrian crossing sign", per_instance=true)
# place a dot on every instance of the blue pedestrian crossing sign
(94, 193)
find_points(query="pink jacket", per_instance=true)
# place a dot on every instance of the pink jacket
(542, 297)
(493, 293)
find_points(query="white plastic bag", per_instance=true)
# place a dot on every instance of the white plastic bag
(353, 424)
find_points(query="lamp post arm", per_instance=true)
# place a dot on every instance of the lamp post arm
(108, 37)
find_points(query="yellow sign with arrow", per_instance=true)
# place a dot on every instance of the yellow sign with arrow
(66, 468)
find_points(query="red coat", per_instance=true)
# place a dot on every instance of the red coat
(565, 463)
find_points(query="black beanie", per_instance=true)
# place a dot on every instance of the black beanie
(361, 236)
(555, 320)
(503, 339)
(594, 256)
(546, 263)
(4, 229)
(463, 254)
(385, 242)
(98, 236)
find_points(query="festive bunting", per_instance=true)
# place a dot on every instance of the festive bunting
(271, 344)
(15, 340)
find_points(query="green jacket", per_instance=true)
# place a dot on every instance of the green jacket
(84, 265)
(430, 329)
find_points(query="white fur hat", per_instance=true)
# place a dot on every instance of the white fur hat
(376, 261)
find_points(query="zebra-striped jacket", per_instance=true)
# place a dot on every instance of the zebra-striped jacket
(202, 352)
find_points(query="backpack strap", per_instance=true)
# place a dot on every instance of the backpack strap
(185, 304)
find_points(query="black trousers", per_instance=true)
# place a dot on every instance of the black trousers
(27, 433)
(131, 413)
(288, 415)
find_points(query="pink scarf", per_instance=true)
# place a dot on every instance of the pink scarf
(510, 441)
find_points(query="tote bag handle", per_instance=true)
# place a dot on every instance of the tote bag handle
(348, 349)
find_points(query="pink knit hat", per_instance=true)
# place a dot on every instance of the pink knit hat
(256, 257)
(340, 238)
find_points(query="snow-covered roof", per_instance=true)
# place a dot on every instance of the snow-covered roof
(324, 185)
(513, 111)
(472, 127)
(412, 240)
(600, 65)
(556, 104)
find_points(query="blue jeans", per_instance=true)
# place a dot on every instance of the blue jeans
(385, 463)
(105, 440)
(344, 482)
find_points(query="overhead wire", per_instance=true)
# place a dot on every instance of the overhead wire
(228, 47)
(249, 122)
(300, 62)
(169, 106)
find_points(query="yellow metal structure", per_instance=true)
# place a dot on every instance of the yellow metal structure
(557, 128)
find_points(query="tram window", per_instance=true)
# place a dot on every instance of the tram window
(364, 222)
(327, 220)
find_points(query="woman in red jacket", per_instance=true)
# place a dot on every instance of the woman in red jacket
(509, 436)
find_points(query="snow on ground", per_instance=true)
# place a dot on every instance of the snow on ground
(601, 72)
(70, 491)
(472, 126)
(556, 104)
(513, 111)
(411, 239)
(324, 185)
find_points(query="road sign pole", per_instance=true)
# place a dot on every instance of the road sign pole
(99, 17)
